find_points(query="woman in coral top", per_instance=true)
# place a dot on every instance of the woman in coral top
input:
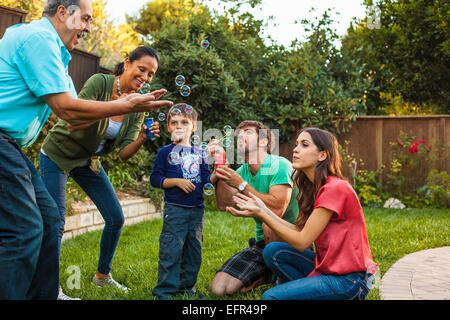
(330, 216)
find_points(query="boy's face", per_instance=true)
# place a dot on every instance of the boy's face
(181, 128)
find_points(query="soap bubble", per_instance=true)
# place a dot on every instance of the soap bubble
(227, 129)
(205, 44)
(174, 158)
(226, 142)
(185, 90)
(195, 140)
(162, 116)
(179, 80)
(373, 277)
(145, 88)
(189, 109)
(176, 111)
(208, 189)
(204, 145)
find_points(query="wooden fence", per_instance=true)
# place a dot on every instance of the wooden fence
(9, 17)
(82, 66)
(370, 136)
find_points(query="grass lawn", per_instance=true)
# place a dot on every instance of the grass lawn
(393, 233)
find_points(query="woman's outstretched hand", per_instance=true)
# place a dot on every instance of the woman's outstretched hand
(250, 206)
(147, 102)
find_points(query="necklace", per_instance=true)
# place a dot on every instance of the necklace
(118, 87)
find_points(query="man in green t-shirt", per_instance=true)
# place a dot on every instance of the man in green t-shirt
(268, 177)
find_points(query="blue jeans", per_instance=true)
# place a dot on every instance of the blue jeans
(180, 250)
(292, 266)
(29, 222)
(99, 189)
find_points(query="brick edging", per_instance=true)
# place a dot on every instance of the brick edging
(90, 219)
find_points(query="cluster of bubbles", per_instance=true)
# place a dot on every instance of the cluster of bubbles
(226, 141)
(174, 157)
(162, 116)
(145, 88)
(180, 80)
(184, 89)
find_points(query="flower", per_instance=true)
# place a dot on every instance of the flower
(423, 141)
(414, 148)
(406, 166)
(400, 143)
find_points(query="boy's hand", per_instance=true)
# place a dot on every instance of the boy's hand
(214, 148)
(185, 185)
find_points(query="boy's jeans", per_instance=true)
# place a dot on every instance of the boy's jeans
(29, 223)
(292, 266)
(180, 250)
(99, 189)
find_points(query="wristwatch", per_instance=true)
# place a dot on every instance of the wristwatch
(242, 186)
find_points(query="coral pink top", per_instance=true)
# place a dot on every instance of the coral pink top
(343, 246)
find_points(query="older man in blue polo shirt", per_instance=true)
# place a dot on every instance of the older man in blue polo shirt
(34, 81)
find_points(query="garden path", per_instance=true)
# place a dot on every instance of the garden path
(422, 275)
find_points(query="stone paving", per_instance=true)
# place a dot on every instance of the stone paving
(422, 275)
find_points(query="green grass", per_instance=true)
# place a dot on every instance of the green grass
(392, 234)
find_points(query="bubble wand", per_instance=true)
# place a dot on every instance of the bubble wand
(145, 88)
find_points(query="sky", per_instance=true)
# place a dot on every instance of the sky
(283, 29)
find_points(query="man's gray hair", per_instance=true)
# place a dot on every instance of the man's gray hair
(51, 6)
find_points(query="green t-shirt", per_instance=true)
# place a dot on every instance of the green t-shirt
(275, 170)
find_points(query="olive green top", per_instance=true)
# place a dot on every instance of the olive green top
(73, 149)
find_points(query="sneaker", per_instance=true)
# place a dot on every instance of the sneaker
(109, 282)
(62, 296)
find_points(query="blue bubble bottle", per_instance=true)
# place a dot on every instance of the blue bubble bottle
(148, 124)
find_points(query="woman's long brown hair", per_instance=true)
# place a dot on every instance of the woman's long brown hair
(331, 166)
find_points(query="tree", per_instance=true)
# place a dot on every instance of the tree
(112, 43)
(152, 15)
(408, 54)
(305, 86)
(238, 77)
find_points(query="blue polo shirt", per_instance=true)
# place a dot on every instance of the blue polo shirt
(33, 63)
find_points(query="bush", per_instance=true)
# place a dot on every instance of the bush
(436, 192)
(411, 175)
(370, 191)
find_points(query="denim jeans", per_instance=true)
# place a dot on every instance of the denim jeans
(29, 222)
(180, 250)
(292, 266)
(99, 189)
